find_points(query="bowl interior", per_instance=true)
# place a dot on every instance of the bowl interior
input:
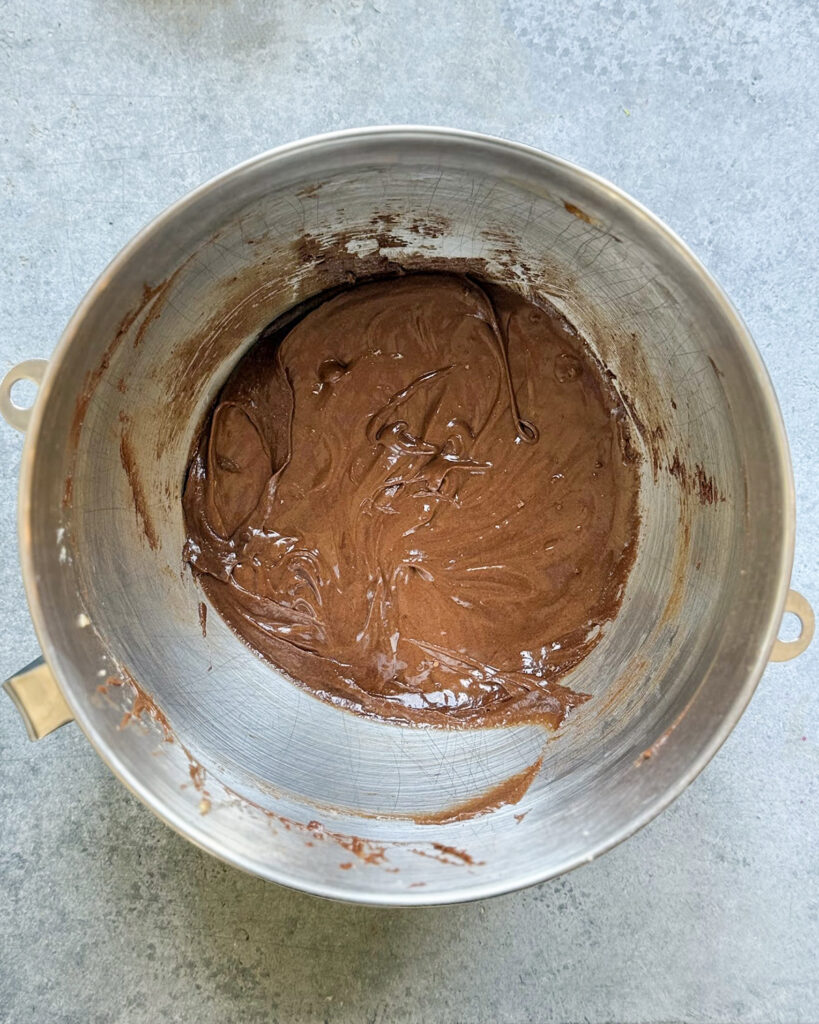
(259, 771)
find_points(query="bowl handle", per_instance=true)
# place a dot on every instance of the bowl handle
(39, 699)
(16, 415)
(784, 650)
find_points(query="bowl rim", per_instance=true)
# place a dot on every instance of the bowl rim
(471, 890)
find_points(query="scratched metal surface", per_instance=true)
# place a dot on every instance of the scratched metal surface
(112, 112)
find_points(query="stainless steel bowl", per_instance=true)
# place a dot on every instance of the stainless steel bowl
(259, 772)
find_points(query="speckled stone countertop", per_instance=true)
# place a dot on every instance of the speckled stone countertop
(706, 113)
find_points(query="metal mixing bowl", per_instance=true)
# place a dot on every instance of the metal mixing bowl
(259, 772)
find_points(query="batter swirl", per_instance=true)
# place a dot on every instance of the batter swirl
(419, 502)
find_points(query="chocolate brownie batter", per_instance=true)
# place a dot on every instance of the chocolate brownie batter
(419, 502)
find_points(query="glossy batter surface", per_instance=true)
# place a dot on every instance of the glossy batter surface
(419, 502)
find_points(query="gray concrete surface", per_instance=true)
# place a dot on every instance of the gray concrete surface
(705, 111)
